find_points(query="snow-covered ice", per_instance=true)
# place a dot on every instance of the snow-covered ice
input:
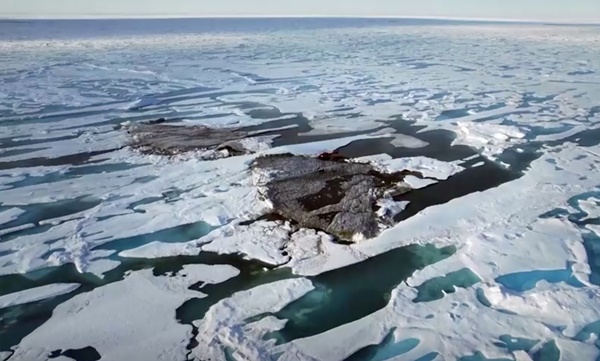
(222, 325)
(132, 319)
(417, 183)
(36, 294)
(501, 121)
(428, 167)
(263, 241)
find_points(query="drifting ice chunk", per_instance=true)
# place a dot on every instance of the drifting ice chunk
(36, 294)
(492, 138)
(418, 183)
(388, 208)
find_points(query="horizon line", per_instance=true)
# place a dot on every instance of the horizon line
(383, 17)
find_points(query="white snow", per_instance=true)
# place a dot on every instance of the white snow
(492, 139)
(418, 183)
(305, 245)
(257, 144)
(429, 167)
(10, 215)
(143, 103)
(36, 294)
(126, 320)
(591, 207)
(223, 324)
(160, 249)
(401, 140)
(550, 305)
(495, 86)
(316, 148)
(260, 240)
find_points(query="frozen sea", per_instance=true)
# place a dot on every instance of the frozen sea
(110, 254)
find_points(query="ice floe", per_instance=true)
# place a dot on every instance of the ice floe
(36, 294)
(490, 138)
(114, 316)
(142, 103)
(223, 326)
(428, 167)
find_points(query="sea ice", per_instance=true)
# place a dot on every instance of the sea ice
(36, 294)
(428, 167)
(111, 317)
(490, 138)
(160, 249)
(418, 183)
(9, 215)
(264, 241)
(221, 327)
(142, 103)
(505, 90)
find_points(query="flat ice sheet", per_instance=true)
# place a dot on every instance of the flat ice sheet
(36, 294)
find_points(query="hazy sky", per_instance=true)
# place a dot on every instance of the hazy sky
(545, 10)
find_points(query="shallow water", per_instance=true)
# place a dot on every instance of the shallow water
(350, 293)
(386, 350)
(435, 288)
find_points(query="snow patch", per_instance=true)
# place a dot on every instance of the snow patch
(36, 294)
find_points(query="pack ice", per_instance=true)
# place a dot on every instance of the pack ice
(144, 214)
